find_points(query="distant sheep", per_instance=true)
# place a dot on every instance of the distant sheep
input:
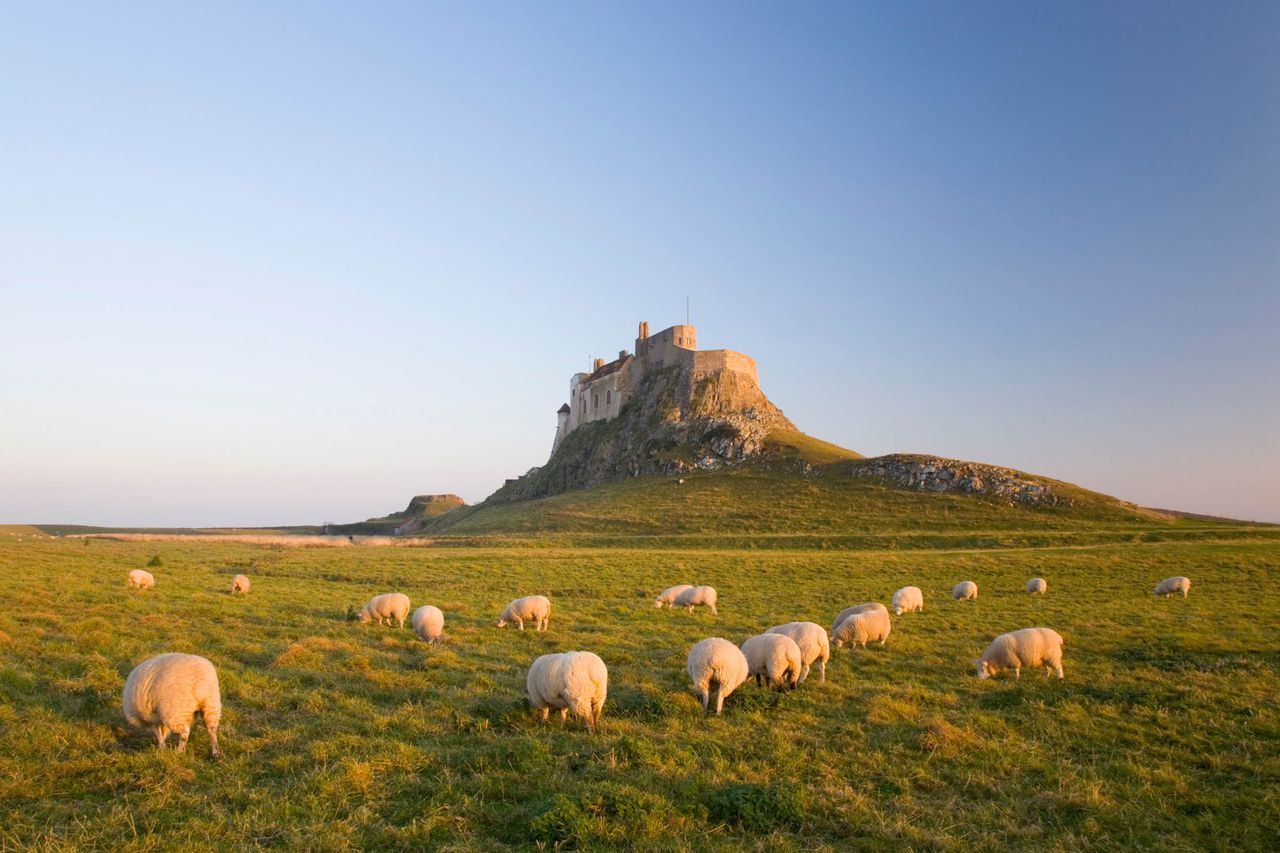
(142, 579)
(716, 666)
(965, 591)
(390, 606)
(164, 693)
(698, 596)
(1039, 585)
(668, 595)
(428, 623)
(813, 643)
(571, 681)
(773, 658)
(1027, 647)
(862, 628)
(1169, 586)
(531, 608)
(907, 600)
(857, 608)
(239, 584)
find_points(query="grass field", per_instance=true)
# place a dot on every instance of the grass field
(1165, 733)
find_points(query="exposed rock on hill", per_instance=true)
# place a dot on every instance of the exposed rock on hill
(935, 474)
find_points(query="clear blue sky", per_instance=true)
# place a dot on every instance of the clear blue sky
(272, 263)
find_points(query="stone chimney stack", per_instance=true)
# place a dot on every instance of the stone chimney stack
(597, 364)
(622, 354)
(644, 330)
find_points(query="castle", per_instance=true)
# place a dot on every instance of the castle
(601, 394)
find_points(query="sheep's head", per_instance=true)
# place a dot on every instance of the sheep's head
(657, 602)
(502, 623)
(984, 669)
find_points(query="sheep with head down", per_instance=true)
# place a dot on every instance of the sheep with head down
(239, 585)
(862, 628)
(813, 644)
(870, 606)
(668, 595)
(1039, 585)
(1169, 586)
(569, 681)
(428, 623)
(716, 667)
(698, 596)
(907, 600)
(386, 608)
(531, 608)
(164, 693)
(141, 578)
(1027, 647)
(773, 659)
(965, 591)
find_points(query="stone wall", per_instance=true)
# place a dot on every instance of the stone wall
(710, 361)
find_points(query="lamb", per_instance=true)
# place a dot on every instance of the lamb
(965, 591)
(571, 681)
(698, 595)
(533, 608)
(428, 622)
(1027, 647)
(391, 606)
(774, 658)
(1169, 586)
(908, 599)
(164, 693)
(857, 608)
(716, 665)
(142, 579)
(813, 644)
(862, 628)
(668, 595)
(239, 584)
(1039, 585)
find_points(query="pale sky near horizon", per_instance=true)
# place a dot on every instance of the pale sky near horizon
(294, 263)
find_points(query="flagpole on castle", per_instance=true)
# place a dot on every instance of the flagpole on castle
(686, 310)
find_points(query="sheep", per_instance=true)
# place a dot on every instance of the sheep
(774, 658)
(965, 591)
(1039, 585)
(857, 608)
(908, 599)
(165, 692)
(534, 608)
(571, 681)
(239, 584)
(717, 665)
(813, 644)
(862, 628)
(1027, 647)
(696, 595)
(142, 579)
(1169, 586)
(668, 595)
(391, 606)
(428, 622)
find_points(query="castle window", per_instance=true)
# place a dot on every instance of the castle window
(608, 397)
(595, 401)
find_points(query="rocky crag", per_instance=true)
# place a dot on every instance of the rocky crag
(935, 474)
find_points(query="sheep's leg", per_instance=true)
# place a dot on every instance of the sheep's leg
(822, 672)
(714, 612)
(719, 699)
(162, 735)
(212, 728)
(758, 679)
(705, 695)
(1059, 666)
(564, 714)
(546, 714)
(183, 733)
(1017, 672)
(520, 622)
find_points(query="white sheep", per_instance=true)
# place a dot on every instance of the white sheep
(390, 606)
(813, 643)
(239, 584)
(531, 608)
(698, 595)
(668, 595)
(428, 622)
(907, 600)
(857, 608)
(1169, 586)
(1027, 647)
(965, 591)
(774, 658)
(164, 693)
(1039, 585)
(862, 628)
(142, 579)
(716, 665)
(571, 681)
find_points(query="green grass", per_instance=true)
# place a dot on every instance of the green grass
(1164, 735)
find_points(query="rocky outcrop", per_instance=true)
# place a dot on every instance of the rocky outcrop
(432, 505)
(935, 474)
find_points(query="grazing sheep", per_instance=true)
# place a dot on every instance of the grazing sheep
(142, 579)
(239, 584)
(775, 658)
(164, 693)
(1027, 647)
(1039, 585)
(965, 591)
(532, 608)
(698, 595)
(1169, 586)
(668, 595)
(571, 681)
(813, 643)
(862, 628)
(428, 623)
(857, 608)
(908, 599)
(391, 606)
(716, 665)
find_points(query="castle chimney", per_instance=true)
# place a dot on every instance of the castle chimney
(622, 354)
(644, 330)
(599, 363)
